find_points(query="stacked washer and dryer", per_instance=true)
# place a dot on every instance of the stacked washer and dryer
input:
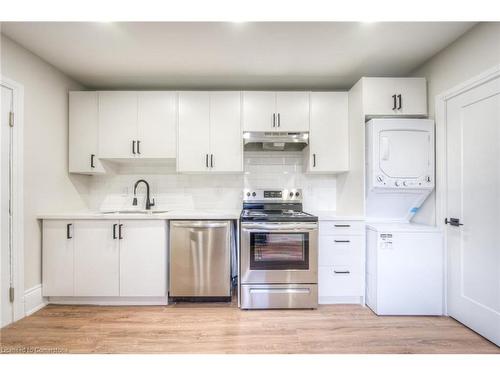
(404, 271)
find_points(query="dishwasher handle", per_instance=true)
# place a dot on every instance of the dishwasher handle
(197, 224)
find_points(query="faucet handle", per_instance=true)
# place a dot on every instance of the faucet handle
(134, 201)
(152, 203)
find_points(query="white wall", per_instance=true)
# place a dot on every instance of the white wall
(471, 54)
(47, 185)
(207, 191)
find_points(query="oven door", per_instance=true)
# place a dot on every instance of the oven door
(279, 253)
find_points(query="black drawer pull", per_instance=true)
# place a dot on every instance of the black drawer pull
(341, 272)
(120, 232)
(68, 235)
(114, 231)
(342, 225)
(342, 241)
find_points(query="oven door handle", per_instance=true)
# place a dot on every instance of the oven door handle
(281, 227)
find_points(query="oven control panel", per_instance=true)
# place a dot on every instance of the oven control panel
(272, 195)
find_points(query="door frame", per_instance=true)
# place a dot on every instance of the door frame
(17, 195)
(441, 152)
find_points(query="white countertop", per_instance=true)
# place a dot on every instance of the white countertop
(169, 215)
(334, 215)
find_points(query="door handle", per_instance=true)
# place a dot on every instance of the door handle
(133, 147)
(92, 156)
(314, 160)
(274, 120)
(120, 232)
(68, 235)
(206, 160)
(342, 225)
(211, 160)
(279, 120)
(394, 101)
(138, 150)
(454, 222)
(342, 241)
(400, 99)
(341, 272)
(114, 231)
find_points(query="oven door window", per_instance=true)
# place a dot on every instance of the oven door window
(279, 251)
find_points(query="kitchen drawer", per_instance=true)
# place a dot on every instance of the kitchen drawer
(340, 284)
(341, 227)
(340, 249)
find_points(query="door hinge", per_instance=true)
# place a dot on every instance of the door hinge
(11, 294)
(11, 119)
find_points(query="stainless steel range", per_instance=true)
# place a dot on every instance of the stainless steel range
(279, 251)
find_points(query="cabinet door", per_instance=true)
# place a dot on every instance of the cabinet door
(58, 242)
(329, 136)
(259, 111)
(226, 142)
(96, 258)
(84, 133)
(293, 111)
(117, 124)
(193, 132)
(143, 258)
(157, 120)
(394, 96)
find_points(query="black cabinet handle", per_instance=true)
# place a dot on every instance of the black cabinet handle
(114, 231)
(341, 272)
(211, 160)
(394, 101)
(138, 149)
(314, 160)
(342, 241)
(120, 232)
(133, 147)
(454, 222)
(279, 120)
(68, 235)
(92, 156)
(206, 160)
(274, 120)
(400, 99)
(342, 225)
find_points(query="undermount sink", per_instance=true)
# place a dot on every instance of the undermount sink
(134, 212)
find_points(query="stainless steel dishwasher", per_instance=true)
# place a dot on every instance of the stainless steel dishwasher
(200, 260)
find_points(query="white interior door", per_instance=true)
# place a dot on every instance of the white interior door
(7, 308)
(226, 148)
(473, 196)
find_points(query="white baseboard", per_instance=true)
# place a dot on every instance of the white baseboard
(328, 300)
(110, 301)
(33, 300)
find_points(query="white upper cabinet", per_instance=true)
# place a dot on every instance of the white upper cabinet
(193, 134)
(259, 111)
(275, 111)
(292, 111)
(394, 96)
(157, 120)
(84, 133)
(209, 132)
(136, 124)
(328, 150)
(226, 140)
(117, 124)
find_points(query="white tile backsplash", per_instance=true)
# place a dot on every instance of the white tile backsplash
(213, 191)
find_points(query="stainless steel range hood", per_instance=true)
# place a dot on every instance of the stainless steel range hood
(275, 141)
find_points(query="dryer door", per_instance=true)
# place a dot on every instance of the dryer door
(405, 154)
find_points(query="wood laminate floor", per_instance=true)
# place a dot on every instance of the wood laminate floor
(223, 328)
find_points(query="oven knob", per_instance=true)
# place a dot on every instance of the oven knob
(291, 194)
(297, 194)
(248, 194)
(253, 194)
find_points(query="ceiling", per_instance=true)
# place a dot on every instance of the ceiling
(218, 55)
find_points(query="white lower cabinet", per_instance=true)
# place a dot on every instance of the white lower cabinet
(341, 263)
(97, 258)
(104, 258)
(143, 258)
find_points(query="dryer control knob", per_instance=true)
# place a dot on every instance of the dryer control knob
(396, 183)
(404, 183)
(428, 179)
(380, 178)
